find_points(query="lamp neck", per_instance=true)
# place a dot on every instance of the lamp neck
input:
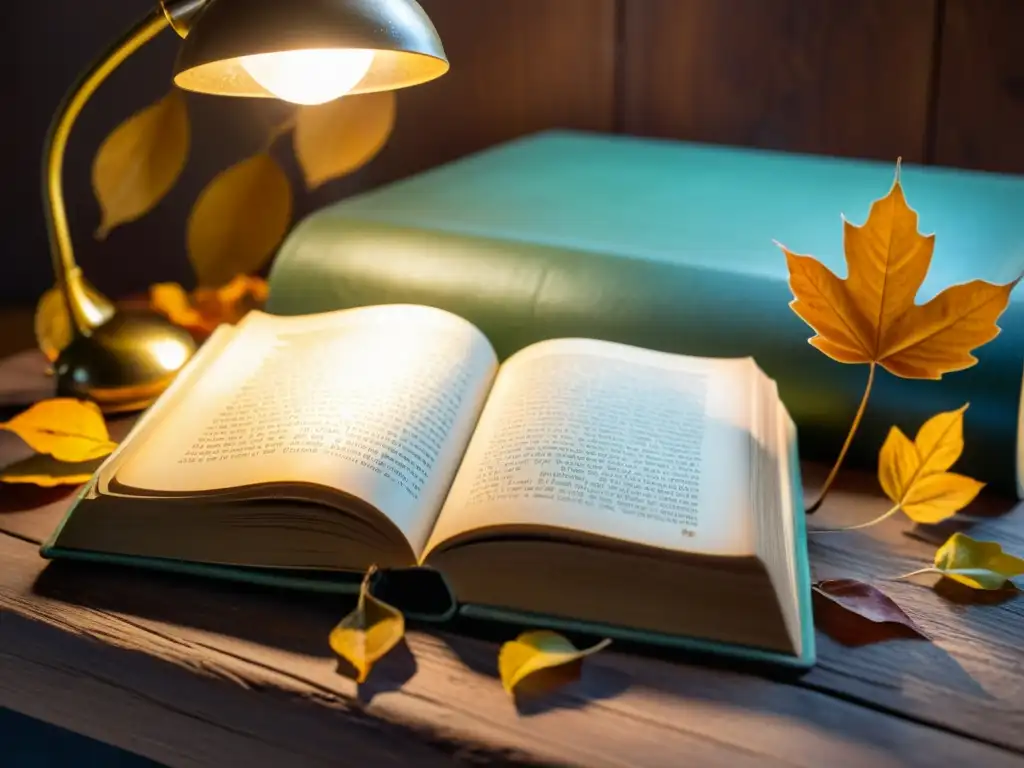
(86, 308)
(182, 13)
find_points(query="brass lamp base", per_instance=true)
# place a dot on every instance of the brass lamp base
(125, 363)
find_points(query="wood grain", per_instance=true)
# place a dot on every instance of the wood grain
(238, 661)
(980, 114)
(829, 76)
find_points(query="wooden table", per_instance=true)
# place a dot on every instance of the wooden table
(199, 673)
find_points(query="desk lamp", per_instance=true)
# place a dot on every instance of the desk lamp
(304, 51)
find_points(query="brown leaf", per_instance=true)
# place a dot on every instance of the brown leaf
(338, 137)
(855, 613)
(140, 161)
(870, 316)
(238, 220)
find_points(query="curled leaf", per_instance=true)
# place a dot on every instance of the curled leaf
(47, 472)
(977, 564)
(238, 220)
(140, 161)
(865, 614)
(339, 137)
(206, 308)
(913, 474)
(52, 324)
(67, 429)
(540, 661)
(366, 634)
(870, 316)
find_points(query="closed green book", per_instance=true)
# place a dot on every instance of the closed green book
(580, 484)
(669, 245)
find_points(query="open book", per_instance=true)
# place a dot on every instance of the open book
(581, 484)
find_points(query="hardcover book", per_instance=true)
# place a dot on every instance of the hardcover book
(581, 484)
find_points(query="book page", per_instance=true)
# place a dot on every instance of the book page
(615, 441)
(376, 402)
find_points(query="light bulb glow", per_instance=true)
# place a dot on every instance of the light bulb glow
(309, 76)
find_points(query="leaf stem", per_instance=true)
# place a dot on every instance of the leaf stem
(846, 445)
(877, 520)
(919, 572)
(280, 130)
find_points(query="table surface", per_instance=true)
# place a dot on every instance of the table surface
(192, 672)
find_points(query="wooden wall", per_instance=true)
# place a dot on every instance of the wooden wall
(934, 81)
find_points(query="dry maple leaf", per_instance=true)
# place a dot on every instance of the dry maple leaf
(870, 316)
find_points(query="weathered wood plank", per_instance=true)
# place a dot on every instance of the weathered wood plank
(155, 646)
(980, 115)
(830, 76)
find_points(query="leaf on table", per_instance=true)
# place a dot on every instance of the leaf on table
(541, 661)
(914, 476)
(67, 429)
(206, 308)
(138, 164)
(238, 220)
(366, 634)
(870, 316)
(48, 472)
(52, 325)
(977, 564)
(857, 613)
(341, 136)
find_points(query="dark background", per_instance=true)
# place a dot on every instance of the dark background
(933, 81)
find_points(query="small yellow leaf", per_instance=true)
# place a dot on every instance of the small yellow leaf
(339, 137)
(238, 220)
(913, 474)
(978, 564)
(52, 325)
(870, 316)
(140, 161)
(367, 633)
(47, 472)
(933, 498)
(898, 463)
(67, 429)
(540, 661)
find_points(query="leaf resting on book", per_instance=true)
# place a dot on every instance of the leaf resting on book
(366, 635)
(65, 428)
(539, 662)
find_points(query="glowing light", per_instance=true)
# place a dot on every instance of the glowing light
(171, 355)
(311, 76)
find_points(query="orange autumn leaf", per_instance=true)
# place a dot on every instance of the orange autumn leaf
(870, 316)
(69, 430)
(206, 308)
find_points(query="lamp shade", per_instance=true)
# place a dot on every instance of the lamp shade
(407, 49)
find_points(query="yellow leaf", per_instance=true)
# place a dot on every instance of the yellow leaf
(206, 308)
(339, 137)
(52, 325)
(870, 316)
(48, 472)
(978, 564)
(238, 220)
(367, 633)
(67, 429)
(898, 463)
(140, 161)
(540, 661)
(913, 474)
(933, 498)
